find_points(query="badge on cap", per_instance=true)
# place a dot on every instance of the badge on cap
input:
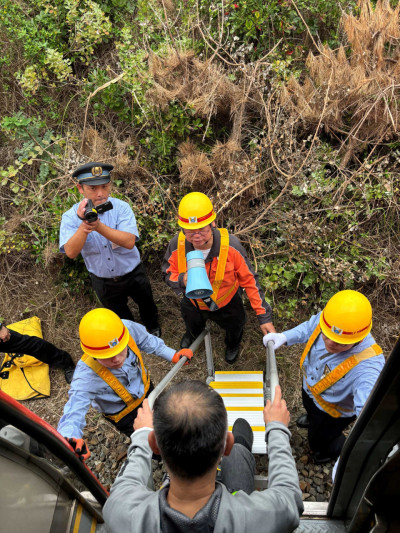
(192, 220)
(97, 171)
(336, 330)
(113, 343)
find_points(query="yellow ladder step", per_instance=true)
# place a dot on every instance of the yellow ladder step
(243, 396)
(236, 384)
(254, 428)
(236, 372)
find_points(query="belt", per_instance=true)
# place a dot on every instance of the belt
(115, 278)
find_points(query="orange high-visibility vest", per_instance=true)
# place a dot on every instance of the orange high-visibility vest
(107, 376)
(336, 374)
(220, 273)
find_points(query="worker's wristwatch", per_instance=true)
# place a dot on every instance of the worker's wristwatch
(2, 324)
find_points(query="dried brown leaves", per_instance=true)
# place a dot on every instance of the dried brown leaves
(206, 88)
(202, 85)
(227, 168)
(194, 166)
(356, 95)
(94, 146)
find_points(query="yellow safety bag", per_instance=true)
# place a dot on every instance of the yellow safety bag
(27, 378)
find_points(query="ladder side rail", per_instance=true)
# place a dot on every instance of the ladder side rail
(271, 372)
(172, 373)
(209, 358)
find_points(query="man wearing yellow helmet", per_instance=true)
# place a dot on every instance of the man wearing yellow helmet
(340, 365)
(111, 375)
(228, 269)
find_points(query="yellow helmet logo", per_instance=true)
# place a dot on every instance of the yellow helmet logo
(113, 343)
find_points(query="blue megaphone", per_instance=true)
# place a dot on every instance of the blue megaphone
(198, 285)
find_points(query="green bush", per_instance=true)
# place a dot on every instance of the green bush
(259, 25)
(80, 65)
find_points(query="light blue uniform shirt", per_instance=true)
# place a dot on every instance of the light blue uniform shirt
(87, 388)
(350, 392)
(101, 256)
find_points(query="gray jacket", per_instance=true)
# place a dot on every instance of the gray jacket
(133, 508)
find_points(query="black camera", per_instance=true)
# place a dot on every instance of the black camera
(92, 213)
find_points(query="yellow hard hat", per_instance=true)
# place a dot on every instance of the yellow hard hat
(102, 334)
(347, 317)
(195, 211)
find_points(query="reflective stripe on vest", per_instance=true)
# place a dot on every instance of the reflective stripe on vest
(181, 253)
(336, 374)
(220, 273)
(106, 375)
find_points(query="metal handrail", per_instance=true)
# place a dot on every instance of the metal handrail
(271, 372)
(172, 373)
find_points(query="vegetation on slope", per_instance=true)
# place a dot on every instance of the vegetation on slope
(286, 114)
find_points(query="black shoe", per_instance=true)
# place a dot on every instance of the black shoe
(232, 353)
(321, 458)
(156, 332)
(303, 422)
(187, 340)
(243, 433)
(69, 374)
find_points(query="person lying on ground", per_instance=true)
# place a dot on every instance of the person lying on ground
(13, 342)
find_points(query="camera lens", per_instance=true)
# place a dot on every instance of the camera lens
(90, 216)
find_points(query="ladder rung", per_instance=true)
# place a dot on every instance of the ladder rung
(236, 384)
(244, 408)
(254, 428)
(235, 372)
(244, 401)
(248, 395)
(238, 376)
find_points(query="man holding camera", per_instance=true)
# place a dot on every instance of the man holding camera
(104, 231)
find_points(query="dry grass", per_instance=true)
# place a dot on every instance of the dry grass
(354, 96)
(168, 5)
(94, 147)
(97, 148)
(205, 87)
(194, 166)
(202, 85)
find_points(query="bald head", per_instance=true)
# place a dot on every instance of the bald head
(190, 425)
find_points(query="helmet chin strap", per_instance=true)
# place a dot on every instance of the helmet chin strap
(210, 239)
